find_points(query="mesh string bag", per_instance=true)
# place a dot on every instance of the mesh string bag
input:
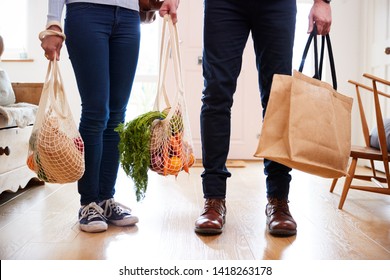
(171, 148)
(56, 149)
(159, 140)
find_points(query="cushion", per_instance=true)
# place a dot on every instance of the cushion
(20, 114)
(7, 95)
(374, 139)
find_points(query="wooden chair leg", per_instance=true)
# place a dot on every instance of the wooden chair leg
(334, 182)
(348, 181)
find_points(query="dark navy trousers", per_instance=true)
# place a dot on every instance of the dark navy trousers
(227, 25)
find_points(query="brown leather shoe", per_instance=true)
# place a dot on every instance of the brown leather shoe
(212, 219)
(279, 219)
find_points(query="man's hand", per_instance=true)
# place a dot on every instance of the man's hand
(320, 15)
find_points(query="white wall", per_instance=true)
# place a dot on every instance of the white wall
(36, 71)
(347, 39)
(346, 36)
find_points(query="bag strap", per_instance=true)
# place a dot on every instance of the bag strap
(164, 54)
(52, 93)
(305, 52)
(57, 93)
(318, 64)
(169, 46)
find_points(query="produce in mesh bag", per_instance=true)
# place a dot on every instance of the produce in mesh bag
(171, 141)
(143, 145)
(61, 154)
(56, 149)
(55, 156)
(170, 153)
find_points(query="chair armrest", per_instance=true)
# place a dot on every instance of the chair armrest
(372, 77)
(28, 92)
(379, 80)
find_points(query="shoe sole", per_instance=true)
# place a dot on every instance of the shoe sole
(208, 231)
(125, 222)
(282, 232)
(94, 228)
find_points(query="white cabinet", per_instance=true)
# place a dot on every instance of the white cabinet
(14, 173)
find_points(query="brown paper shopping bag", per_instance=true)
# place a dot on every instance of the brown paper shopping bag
(307, 125)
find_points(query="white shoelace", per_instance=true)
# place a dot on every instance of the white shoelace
(112, 206)
(91, 211)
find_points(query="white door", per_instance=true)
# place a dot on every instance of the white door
(378, 39)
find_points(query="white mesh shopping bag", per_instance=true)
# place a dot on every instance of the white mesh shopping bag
(171, 149)
(159, 140)
(56, 149)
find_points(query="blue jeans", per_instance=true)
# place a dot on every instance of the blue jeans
(103, 46)
(227, 25)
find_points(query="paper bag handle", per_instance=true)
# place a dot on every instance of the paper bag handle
(318, 65)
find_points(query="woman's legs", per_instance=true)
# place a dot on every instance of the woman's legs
(103, 45)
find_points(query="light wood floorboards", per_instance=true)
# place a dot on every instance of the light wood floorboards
(41, 222)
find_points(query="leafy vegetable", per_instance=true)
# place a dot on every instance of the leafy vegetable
(134, 149)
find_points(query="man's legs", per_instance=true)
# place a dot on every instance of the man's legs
(273, 42)
(226, 30)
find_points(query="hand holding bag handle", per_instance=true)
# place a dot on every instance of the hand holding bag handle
(318, 65)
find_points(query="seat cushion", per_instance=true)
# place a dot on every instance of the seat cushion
(7, 95)
(19, 114)
(374, 139)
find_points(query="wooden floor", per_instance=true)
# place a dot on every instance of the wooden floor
(40, 222)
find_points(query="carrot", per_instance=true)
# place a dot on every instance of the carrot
(191, 160)
(176, 145)
(30, 162)
(185, 166)
(165, 159)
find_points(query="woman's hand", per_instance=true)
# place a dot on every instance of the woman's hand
(52, 44)
(170, 7)
(320, 15)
